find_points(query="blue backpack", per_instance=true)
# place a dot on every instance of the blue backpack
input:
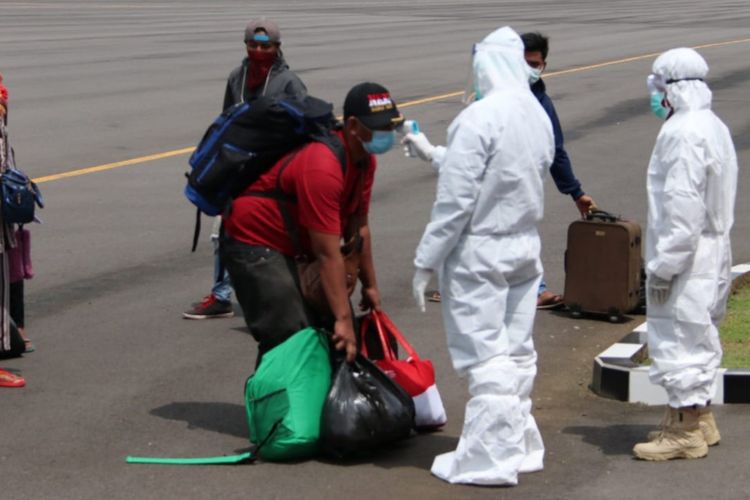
(20, 197)
(246, 140)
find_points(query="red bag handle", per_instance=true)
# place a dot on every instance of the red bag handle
(383, 323)
(388, 353)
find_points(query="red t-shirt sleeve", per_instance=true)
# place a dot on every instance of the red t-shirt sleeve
(319, 186)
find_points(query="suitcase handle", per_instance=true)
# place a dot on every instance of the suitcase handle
(601, 215)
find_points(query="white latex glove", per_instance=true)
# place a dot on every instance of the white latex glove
(419, 145)
(419, 284)
(658, 289)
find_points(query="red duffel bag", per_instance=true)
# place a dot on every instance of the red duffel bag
(414, 374)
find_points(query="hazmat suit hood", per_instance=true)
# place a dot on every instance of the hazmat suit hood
(683, 71)
(498, 62)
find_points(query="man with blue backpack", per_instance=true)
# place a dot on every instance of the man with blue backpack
(264, 72)
(283, 235)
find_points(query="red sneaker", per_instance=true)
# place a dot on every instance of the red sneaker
(8, 379)
(210, 307)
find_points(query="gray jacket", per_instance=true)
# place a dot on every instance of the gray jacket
(281, 82)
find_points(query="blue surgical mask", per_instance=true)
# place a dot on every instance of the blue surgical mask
(382, 141)
(656, 106)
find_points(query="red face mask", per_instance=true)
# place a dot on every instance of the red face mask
(260, 65)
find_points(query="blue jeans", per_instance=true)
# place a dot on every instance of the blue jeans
(222, 288)
(542, 287)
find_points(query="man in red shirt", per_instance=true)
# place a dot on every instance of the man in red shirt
(322, 199)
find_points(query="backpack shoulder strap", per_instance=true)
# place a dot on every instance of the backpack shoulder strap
(337, 147)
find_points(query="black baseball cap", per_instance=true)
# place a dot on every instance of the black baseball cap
(372, 104)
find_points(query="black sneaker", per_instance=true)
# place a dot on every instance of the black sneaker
(210, 307)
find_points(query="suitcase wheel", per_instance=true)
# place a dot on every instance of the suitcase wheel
(614, 316)
(575, 311)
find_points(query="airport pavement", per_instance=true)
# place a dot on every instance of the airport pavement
(118, 372)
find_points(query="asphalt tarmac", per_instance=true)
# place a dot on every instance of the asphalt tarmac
(117, 372)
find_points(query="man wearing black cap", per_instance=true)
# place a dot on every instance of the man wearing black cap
(325, 203)
(264, 72)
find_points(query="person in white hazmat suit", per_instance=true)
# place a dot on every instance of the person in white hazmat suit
(482, 241)
(692, 183)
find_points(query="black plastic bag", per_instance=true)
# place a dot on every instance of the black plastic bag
(364, 410)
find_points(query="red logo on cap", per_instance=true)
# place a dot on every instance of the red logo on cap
(379, 102)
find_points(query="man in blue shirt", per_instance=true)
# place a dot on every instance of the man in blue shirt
(536, 47)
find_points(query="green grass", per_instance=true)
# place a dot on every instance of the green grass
(735, 330)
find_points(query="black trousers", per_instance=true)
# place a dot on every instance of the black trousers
(16, 304)
(268, 292)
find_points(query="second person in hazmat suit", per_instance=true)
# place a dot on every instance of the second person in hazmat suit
(482, 240)
(692, 183)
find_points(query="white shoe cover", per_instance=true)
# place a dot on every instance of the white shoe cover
(492, 447)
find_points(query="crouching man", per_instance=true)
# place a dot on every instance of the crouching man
(301, 210)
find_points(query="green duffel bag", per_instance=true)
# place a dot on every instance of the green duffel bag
(284, 401)
(284, 397)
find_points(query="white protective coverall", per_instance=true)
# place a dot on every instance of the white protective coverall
(482, 239)
(692, 183)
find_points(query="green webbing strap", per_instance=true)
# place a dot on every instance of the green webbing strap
(224, 459)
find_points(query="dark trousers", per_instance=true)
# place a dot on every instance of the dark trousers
(267, 289)
(16, 303)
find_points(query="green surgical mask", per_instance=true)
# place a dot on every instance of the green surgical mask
(657, 107)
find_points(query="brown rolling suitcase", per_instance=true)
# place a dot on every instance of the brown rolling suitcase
(603, 266)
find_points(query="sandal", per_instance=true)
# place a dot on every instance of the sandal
(8, 379)
(28, 346)
(433, 296)
(549, 300)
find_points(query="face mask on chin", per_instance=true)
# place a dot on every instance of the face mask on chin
(382, 142)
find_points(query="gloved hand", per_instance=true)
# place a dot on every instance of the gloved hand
(418, 144)
(419, 284)
(658, 289)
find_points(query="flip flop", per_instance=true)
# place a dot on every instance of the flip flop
(549, 300)
(433, 296)
(8, 379)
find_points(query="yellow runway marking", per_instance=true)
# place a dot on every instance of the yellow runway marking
(110, 166)
(427, 100)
